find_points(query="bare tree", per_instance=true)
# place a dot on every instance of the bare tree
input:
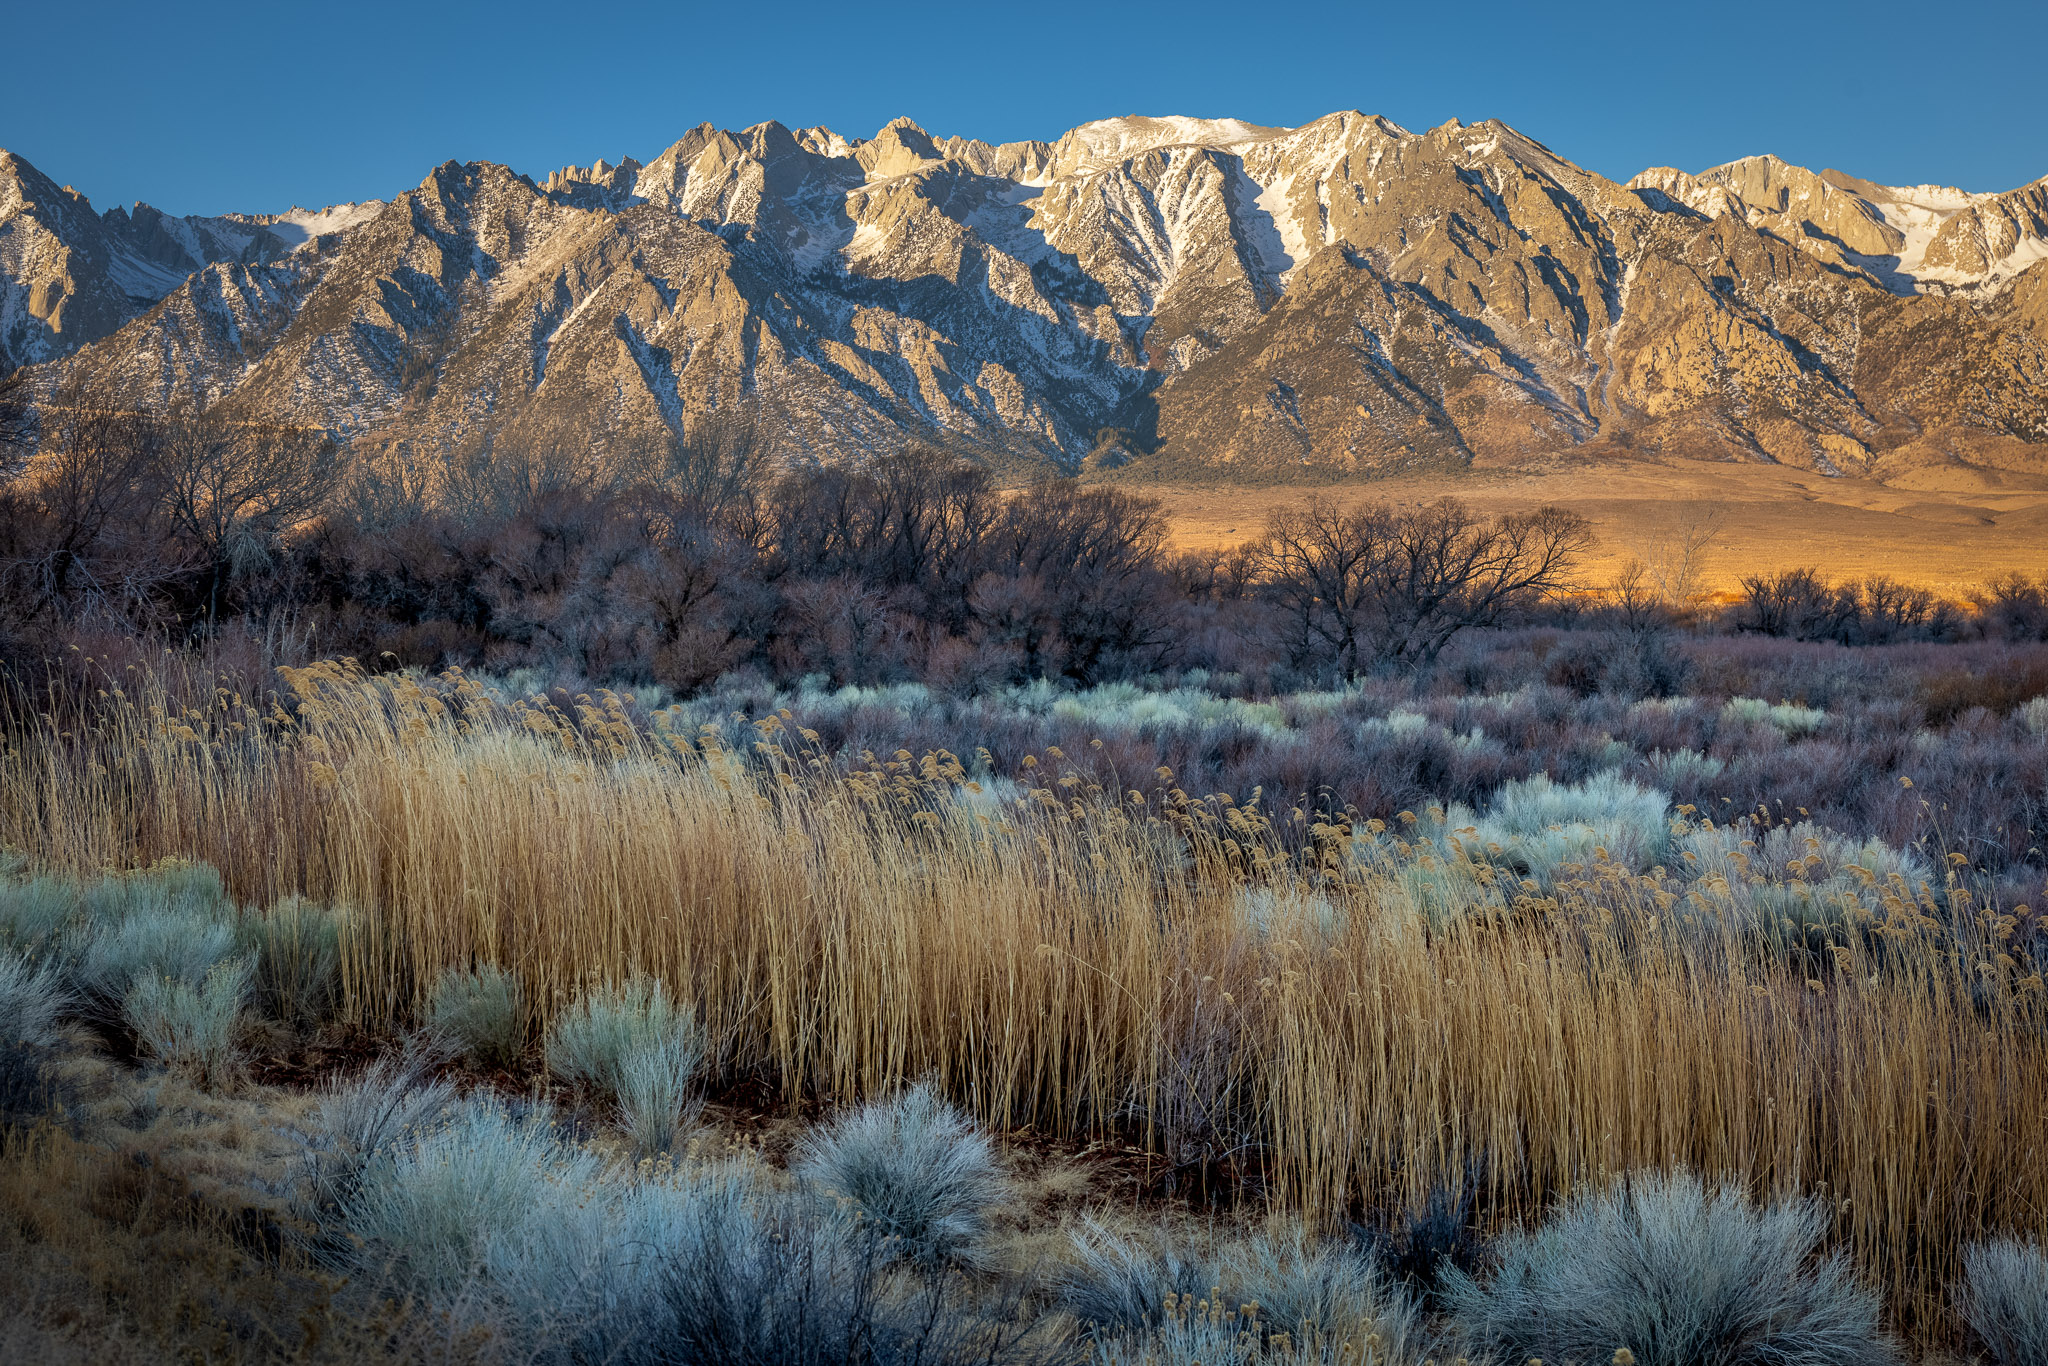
(17, 423)
(715, 465)
(1376, 583)
(87, 535)
(1327, 568)
(234, 490)
(1638, 600)
(1674, 566)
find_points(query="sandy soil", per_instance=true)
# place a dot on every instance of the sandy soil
(1952, 535)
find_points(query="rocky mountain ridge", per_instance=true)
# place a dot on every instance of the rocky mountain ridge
(1183, 296)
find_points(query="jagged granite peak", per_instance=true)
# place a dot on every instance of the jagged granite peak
(69, 276)
(1909, 239)
(1192, 295)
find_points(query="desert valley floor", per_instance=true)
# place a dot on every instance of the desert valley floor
(1953, 532)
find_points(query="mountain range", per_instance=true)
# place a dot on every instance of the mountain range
(1176, 296)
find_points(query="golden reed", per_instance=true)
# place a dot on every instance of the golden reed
(1083, 963)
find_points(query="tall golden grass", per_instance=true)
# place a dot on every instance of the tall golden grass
(1083, 964)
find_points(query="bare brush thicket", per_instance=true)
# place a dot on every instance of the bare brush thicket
(1090, 960)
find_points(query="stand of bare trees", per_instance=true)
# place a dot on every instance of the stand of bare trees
(1373, 584)
(696, 558)
(141, 518)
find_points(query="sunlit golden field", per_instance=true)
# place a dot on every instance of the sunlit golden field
(1949, 534)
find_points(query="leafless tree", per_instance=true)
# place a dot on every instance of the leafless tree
(1374, 583)
(17, 423)
(1637, 598)
(716, 465)
(234, 490)
(1798, 604)
(86, 535)
(1674, 566)
(1327, 567)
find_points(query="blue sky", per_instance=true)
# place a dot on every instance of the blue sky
(203, 108)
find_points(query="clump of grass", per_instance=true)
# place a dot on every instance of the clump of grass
(33, 913)
(638, 1049)
(1112, 1283)
(480, 1013)
(1789, 718)
(590, 1043)
(394, 1099)
(192, 1028)
(1535, 825)
(297, 948)
(1135, 1295)
(434, 1206)
(655, 1099)
(1673, 1271)
(150, 943)
(914, 1169)
(32, 998)
(2003, 1299)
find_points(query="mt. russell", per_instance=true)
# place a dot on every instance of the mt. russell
(1185, 296)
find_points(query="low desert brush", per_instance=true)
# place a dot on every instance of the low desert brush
(1674, 1271)
(2003, 1300)
(481, 1014)
(913, 1169)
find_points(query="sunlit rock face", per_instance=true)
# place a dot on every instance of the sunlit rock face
(1186, 296)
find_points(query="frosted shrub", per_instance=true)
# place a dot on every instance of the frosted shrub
(1127, 707)
(31, 999)
(1841, 861)
(480, 1014)
(1122, 1289)
(1288, 912)
(297, 946)
(1395, 725)
(1301, 1287)
(1684, 769)
(1675, 1272)
(431, 1207)
(179, 943)
(2003, 1297)
(750, 1277)
(597, 1269)
(1788, 718)
(1442, 887)
(914, 1169)
(33, 913)
(391, 1099)
(1113, 1284)
(654, 1091)
(1537, 825)
(2034, 716)
(191, 1028)
(589, 1043)
(635, 1047)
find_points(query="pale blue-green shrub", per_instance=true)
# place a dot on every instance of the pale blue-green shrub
(190, 1028)
(2003, 1297)
(914, 1169)
(480, 1013)
(1674, 1271)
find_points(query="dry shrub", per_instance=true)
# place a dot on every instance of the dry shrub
(1674, 1271)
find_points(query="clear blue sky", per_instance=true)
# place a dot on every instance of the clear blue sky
(203, 108)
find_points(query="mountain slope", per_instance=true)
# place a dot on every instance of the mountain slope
(1177, 294)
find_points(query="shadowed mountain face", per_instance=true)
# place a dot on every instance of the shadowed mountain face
(1191, 296)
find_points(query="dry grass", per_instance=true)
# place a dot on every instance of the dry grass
(1081, 965)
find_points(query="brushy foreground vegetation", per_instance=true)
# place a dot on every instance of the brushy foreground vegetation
(1518, 1006)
